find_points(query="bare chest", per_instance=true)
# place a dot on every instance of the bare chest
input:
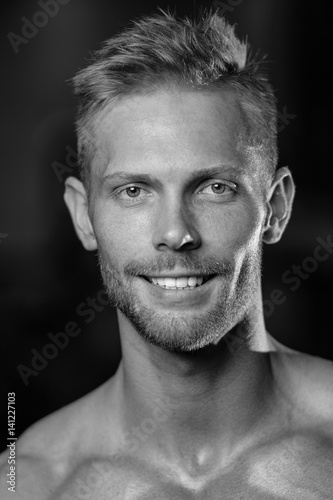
(265, 475)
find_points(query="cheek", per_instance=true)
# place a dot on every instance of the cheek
(233, 233)
(118, 237)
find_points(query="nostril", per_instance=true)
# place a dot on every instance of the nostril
(175, 235)
(187, 239)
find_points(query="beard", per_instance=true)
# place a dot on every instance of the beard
(181, 331)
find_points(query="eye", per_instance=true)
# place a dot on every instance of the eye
(219, 188)
(133, 192)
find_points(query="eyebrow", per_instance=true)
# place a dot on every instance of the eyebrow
(122, 175)
(216, 170)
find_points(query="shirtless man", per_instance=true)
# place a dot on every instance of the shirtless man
(179, 190)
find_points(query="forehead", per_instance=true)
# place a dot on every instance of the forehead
(174, 132)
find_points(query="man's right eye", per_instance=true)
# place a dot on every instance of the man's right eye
(132, 192)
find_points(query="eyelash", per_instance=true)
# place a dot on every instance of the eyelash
(231, 185)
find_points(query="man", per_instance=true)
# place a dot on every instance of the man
(179, 190)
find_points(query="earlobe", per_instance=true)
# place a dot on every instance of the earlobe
(76, 199)
(279, 205)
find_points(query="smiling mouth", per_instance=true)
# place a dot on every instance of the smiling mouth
(179, 282)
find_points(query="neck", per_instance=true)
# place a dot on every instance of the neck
(204, 401)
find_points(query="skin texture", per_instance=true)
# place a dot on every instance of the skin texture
(186, 416)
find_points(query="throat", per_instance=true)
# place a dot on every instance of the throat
(187, 404)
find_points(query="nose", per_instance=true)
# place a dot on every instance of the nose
(174, 228)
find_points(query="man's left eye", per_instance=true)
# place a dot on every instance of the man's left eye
(218, 188)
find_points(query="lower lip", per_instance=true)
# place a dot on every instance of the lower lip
(187, 297)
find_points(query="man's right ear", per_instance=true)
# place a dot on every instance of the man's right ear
(76, 199)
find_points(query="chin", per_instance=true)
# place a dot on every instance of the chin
(182, 332)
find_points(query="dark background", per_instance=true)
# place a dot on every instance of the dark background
(45, 274)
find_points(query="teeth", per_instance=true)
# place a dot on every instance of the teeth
(192, 281)
(169, 282)
(179, 283)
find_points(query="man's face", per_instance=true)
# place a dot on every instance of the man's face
(178, 214)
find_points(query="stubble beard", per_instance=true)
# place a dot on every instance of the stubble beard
(184, 332)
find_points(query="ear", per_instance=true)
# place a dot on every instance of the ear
(279, 205)
(76, 199)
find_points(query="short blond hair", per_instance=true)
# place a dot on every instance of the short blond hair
(162, 50)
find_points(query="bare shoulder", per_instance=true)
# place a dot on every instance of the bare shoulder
(31, 479)
(308, 381)
(48, 450)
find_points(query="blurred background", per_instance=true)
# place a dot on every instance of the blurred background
(45, 273)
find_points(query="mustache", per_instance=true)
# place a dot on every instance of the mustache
(186, 262)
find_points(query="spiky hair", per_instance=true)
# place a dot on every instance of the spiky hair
(161, 50)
